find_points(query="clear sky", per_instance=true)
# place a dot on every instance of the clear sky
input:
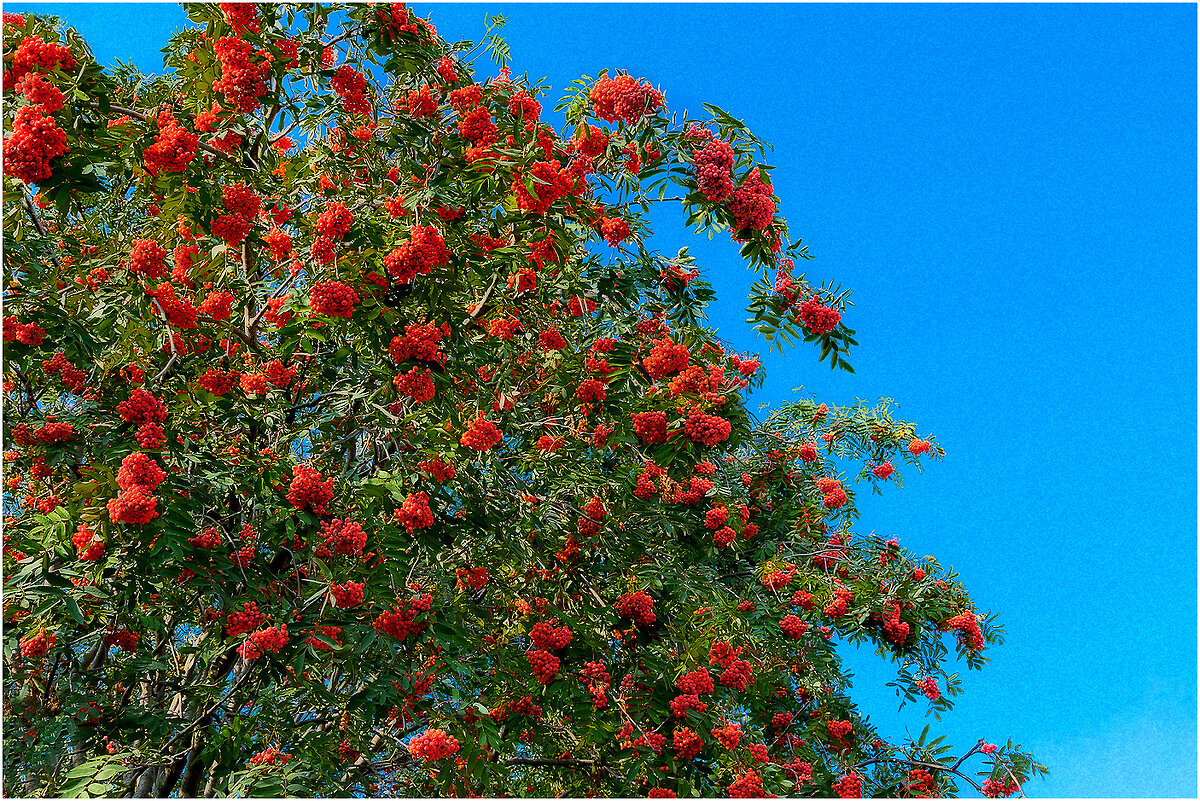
(1011, 193)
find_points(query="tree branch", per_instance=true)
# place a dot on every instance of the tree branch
(140, 117)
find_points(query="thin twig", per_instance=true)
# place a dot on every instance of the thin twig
(483, 301)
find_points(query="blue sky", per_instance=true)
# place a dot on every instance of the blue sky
(1011, 193)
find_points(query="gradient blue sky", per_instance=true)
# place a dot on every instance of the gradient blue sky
(1011, 192)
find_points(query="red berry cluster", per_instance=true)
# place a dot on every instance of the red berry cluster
(687, 744)
(623, 98)
(651, 740)
(840, 603)
(138, 478)
(343, 537)
(917, 447)
(504, 328)
(793, 627)
(831, 489)
(124, 639)
(308, 492)
(173, 149)
(424, 252)
(696, 682)
(279, 375)
(638, 607)
(849, 786)
(439, 470)
(895, 630)
(716, 517)
(724, 536)
(333, 298)
(419, 102)
(591, 141)
(580, 306)
(274, 315)
(146, 258)
(994, 789)
(279, 243)
(417, 384)
(208, 538)
(729, 735)
(246, 619)
(817, 317)
(751, 204)
(967, 627)
(696, 491)
(335, 221)
(778, 579)
(550, 444)
(707, 429)
(799, 770)
(551, 339)
(615, 230)
(594, 513)
(481, 435)
(748, 785)
(351, 86)
(180, 311)
(243, 206)
(522, 706)
(651, 427)
(432, 744)
(465, 99)
(241, 17)
(737, 671)
(218, 382)
(54, 432)
(35, 140)
(414, 513)
(665, 358)
(682, 704)
(269, 756)
(35, 54)
(331, 632)
(544, 665)
(596, 680)
(550, 183)
(139, 470)
(28, 334)
(41, 93)
(402, 620)
(547, 637)
(447, 70)
(713, 165)
(38, 645)
(88, 547)
(347, 595)
(420, 342)
(269, 640)
(475, 577)
(477, 126)
(242, 81)
(72, 377)
(883, 470)
(929, 686)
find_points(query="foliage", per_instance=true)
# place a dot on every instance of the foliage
(390, 459)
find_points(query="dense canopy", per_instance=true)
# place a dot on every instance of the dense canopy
(359, 441)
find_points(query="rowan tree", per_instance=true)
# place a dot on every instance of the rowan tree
(359, 442)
